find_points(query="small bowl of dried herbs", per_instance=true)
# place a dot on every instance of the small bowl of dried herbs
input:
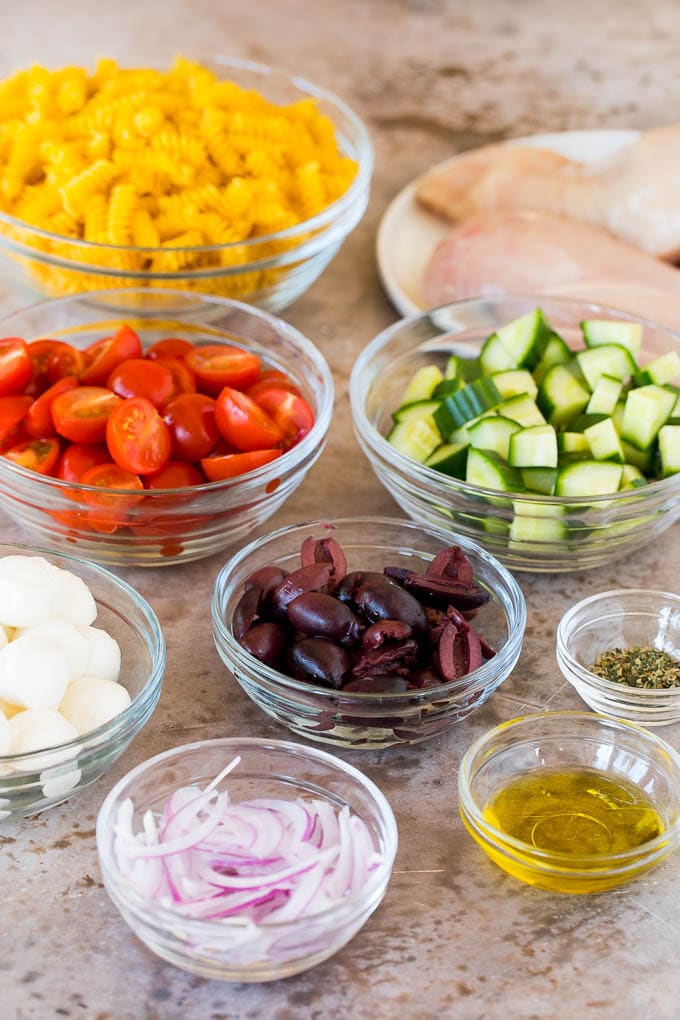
(620, 650)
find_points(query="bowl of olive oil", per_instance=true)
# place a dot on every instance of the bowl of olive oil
(571, 801)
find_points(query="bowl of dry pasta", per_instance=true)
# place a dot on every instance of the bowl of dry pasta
(225, 177)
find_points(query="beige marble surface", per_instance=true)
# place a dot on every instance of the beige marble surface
(454, 936)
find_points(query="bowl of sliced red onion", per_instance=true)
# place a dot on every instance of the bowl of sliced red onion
(245, 859)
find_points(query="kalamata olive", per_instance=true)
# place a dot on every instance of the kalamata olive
(320, 661)
(245, 612)
(268, 579)
(384, 630)
(324, 550)
(382, 599)
(350, 582)
(392, 657)
(319, 615)
(267, 642)
(382, 683)
(311, 578)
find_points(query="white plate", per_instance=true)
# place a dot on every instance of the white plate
(408, 233)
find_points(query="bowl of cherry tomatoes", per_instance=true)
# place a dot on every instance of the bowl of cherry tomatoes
(150, 427)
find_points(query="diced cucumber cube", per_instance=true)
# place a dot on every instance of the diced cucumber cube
(515, 382)
(599, 332)
(631, 477)
(450, 459)
(647, 409)
(492, 433)
(556, 353)
(605, 395)
(421, 409)
(608, 359)
(460, 407)
(669, 449)
(523, 410)
(604, 442)
(560, 396)
(486, 469)
(660, 371)
(588, 478)
(415, 439)
(572, 442)
(539, 479)
(422, 384)
(535, 446)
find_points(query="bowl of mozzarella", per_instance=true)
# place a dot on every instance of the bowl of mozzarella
(82, 658)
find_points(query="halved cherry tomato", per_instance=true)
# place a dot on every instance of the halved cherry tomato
(169, 348)
(291, 413)
(41, 351)
(138, 377)
(78, 458)
(16, 367)
(39, 421)
(191, 420)
(64, 361)
(104, 355)
(12, 411)
(109, 508)
(244, 424)
(183, 379)
(137, 437)
(177, 475)
(269, 379)
(39, 455)
(219, 365)
(229, 465)
(81, 414)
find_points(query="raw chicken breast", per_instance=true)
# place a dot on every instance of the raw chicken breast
(635, 194)
(523, 252)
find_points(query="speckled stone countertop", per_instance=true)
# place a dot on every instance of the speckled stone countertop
(454, 937)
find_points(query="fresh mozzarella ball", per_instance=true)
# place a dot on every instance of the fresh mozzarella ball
(61, 784)
(70, 639)
(34, 673)
(91, 702)
(104, 657)
(76, 604)
(29, 590)
(38, 728)
(4, 735)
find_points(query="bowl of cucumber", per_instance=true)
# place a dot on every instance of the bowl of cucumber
(546, 429)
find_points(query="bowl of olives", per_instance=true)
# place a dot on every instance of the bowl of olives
(365, 631)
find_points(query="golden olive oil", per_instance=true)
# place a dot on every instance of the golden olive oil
(582, 813)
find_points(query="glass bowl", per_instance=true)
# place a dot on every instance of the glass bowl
(229, 949)
(621, 619)
(167, 525)
(592, 533)
(557, 741)
(369, 720)
(269, 271)
(39, 780)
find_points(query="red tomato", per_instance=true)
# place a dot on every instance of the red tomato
(231, 464)
(41, 351)
(12, 411)
(39, 421)
(137, 437)
(109, 509)
(191, 420)
(16, 367)
(81, 414)
(79, 458)
(177, 475)
(291, 413)
(138, 377)
(243, 424)
(64, 361)
(218, 365)
(169, 348)
(39, 455)
(269, 379)
(104, 355)
(183, 379)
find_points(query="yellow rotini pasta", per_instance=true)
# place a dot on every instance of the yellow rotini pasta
(179, 161)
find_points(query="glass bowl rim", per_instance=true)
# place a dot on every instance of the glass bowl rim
(109, 730)
(365, 163)
(484, 676)
(249, 479)
(557, 859)
(170, 917)
(399, 462)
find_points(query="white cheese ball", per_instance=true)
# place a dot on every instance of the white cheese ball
(104, 654)
(4, 734)
(29, 590)
(36, 729)
(90, 702)
(34, 673)
(61, 784)
(70, 639)
(76, 603)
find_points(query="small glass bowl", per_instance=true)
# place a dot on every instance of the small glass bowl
(567, 533)
(224, 949)
(369, 720)
(41, 779)
(168, 525)
(550, 741)
(269, 271)
(620, 619)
